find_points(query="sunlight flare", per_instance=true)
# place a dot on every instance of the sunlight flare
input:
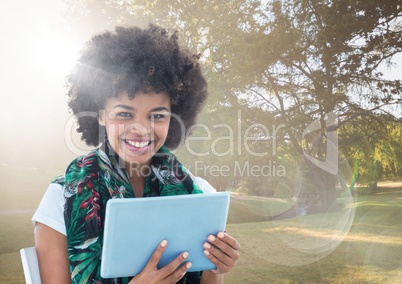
(55, 54)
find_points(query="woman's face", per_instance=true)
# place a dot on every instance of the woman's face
(136, 128)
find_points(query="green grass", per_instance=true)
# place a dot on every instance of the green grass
(322, 249)
(359, 244)
(255, 209)
(16, 232)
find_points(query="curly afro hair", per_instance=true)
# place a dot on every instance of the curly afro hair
(133, 59)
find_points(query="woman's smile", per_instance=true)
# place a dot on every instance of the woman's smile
(137, 146)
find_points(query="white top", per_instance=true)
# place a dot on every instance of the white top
(50, 211)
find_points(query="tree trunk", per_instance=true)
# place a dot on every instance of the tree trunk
(326, 186)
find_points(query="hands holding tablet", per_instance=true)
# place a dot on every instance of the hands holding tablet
(171, 273)
(222, 250)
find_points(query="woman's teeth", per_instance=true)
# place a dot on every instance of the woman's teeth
(138, 144)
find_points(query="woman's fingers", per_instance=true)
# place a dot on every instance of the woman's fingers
(221, 267)
(174, 265)
(156, 256)
(170, 273)
(224, 243)
(229, 240)
(222, 250)
(178, 272)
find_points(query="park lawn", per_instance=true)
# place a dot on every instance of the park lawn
(245, 209)
(16, 232)
(319, 248)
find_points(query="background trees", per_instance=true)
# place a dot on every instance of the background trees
(285, 63)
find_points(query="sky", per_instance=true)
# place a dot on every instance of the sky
(37, 51)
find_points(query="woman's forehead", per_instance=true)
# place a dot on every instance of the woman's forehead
(140, 99)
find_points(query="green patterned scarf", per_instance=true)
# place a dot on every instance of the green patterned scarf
(90, 181)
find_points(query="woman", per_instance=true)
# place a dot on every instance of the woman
(136, 93)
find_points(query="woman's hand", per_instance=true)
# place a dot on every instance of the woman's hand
(223, 251)
(171, 273)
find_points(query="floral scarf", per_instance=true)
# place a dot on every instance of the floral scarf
(90, 181)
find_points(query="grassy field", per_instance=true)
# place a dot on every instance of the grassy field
(359, 244)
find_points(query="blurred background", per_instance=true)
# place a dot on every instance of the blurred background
(277, 72)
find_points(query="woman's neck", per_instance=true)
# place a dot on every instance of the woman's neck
(138, 175)
(138, 184)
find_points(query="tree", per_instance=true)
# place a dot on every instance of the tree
(321, 57)
(374, 146)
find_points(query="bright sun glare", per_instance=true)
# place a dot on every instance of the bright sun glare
(55, 54)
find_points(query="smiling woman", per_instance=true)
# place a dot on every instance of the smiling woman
(136, 94)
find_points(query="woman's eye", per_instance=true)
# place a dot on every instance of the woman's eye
(157, 116)
(124, 115)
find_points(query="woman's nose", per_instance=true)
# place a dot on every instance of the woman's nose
(141, 128)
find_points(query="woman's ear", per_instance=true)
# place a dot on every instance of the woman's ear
(101, 117)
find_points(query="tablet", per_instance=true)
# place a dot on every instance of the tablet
(134, 227)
